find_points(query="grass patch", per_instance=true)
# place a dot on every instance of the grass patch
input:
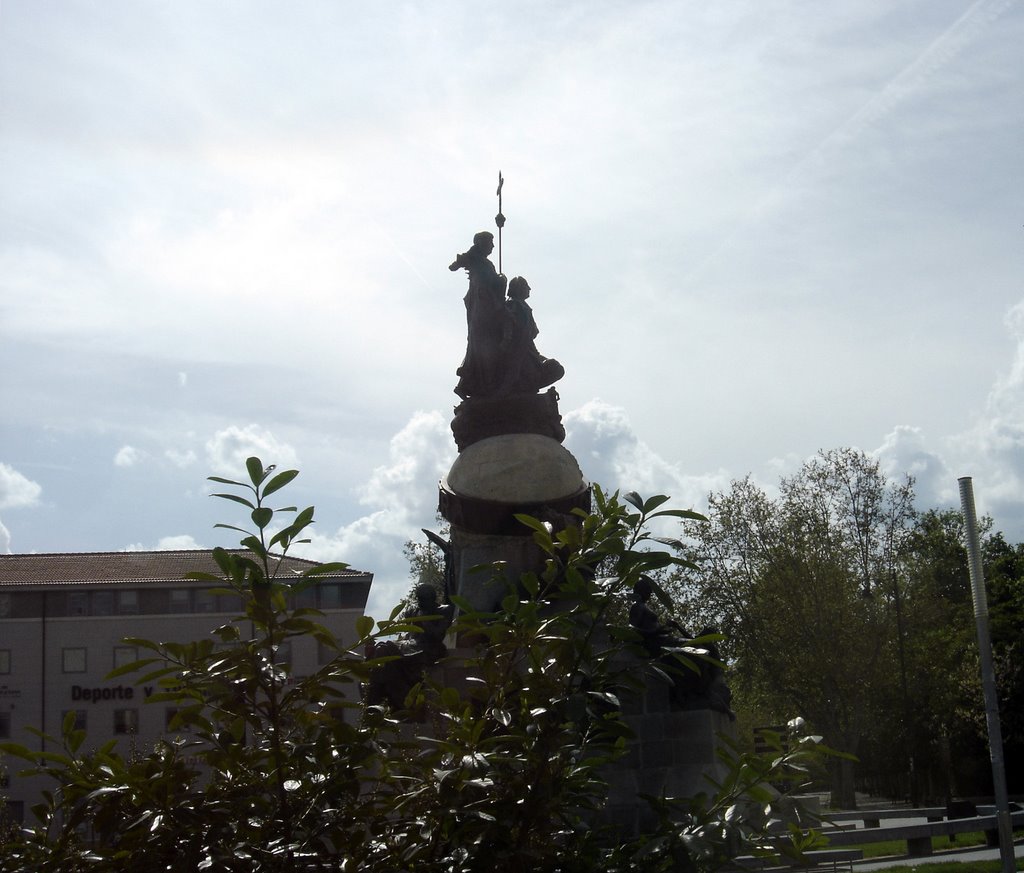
(939, 844)
(952, 867)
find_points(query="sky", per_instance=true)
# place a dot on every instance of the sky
(754, 229)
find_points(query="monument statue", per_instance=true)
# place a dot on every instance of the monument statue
(502, 371)
(526, 369)
(699, 684)
(501, 357)
(486, 316)
(405, 659)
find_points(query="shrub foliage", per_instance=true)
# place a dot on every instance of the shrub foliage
(499, 772)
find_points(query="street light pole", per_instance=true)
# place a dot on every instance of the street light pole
(988, 676)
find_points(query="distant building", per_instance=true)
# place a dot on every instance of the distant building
(63, 621)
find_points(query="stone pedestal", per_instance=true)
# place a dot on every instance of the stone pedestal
(492, 481)
(673, 754)
(498, 476)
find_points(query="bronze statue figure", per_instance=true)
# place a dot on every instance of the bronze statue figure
(480, 373)
(501, 357)
(698, 681)
(405, 659)
(526, 369)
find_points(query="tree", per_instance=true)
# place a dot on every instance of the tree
(951, 739)
(502, 775)
(805, 588)
(427, 562)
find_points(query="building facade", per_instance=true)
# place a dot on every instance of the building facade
(64, 620)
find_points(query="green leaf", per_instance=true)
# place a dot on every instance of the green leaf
(130, 668)
(262, 516)
(364, 626)
(231, 527)
(635, 499)
(254, 545)
(653, 503)
(223, 481)
(19, 751)
(325, 569)
(279, 481)
(236, 499)
(662, 595)
(531, 522)
(680, 513)
(254, 467)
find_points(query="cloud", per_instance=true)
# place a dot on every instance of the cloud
(903, 451)
(17, 490)
(402, 497)
(127, 456)
(228, 449)
(992, 451)
(174, 543)
(167, 544)
(179, 458)
(402, 494)
(612, 455)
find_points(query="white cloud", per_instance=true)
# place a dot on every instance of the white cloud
(174, 543)
(903, 451)
(17, 490)
(180, 458)
(228, 449)
(167, 544)
(611, 454)
(992, 451)
(127, 456)
(5, 540)
(402, 495)
(421, 453)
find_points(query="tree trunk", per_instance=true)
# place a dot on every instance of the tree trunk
(843, 794)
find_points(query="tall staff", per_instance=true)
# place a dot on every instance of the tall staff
(499, 219)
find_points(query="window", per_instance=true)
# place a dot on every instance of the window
(73, 660)
(306, 598)
(169, 715)
(125, 655)
(103, 603)
(325, 654)
(78, 603)
(126, 721)
(180, 600)
(13, 813)
(230, 603)
(79, 718)
(205, 601)
(330, 597)
(5, 725)
(128, 602)
(5, 661)
(5, 605)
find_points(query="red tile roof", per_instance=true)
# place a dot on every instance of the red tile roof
(107, 567)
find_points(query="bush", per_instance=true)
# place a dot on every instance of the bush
(502, 773)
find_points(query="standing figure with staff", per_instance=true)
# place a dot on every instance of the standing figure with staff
(480, 373)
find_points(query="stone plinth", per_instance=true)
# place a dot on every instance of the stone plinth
(492, 481)
(673, 754)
